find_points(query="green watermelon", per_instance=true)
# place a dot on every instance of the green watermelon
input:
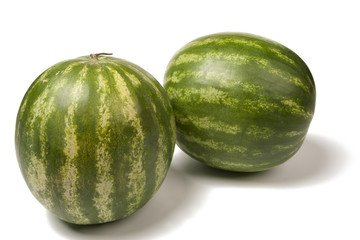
(94, 138)
(241, 102)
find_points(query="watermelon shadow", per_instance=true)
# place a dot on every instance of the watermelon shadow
(319, 159)
(176, 200)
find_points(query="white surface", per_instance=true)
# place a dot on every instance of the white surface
(315, 195)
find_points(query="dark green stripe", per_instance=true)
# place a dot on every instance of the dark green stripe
(86, 120)
(118, 149)
(140, 93)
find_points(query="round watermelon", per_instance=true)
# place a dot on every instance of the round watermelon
(241, 102)
(94, 138)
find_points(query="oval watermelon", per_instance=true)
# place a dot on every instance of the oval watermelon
(94, 138)
(241, 102)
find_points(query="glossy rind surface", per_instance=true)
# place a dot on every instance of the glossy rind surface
(241, 102)
(94, 138)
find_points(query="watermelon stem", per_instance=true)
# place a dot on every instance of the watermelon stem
(96, 55)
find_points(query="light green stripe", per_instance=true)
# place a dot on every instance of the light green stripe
(288, 146)
(177, 76)
(288, 77)
(29, 92)
(224, 81)
(151, 82)
(218, 162)
(173, 126)
(294, 133)
(134, 80)
(201, 95)
(283, 147)
(219, 78)
(259, 132)
(162, 97)
(223, 41)
(288, 105)
(259, 104)
(70, 67)
(69, 171)
(36, 172)
(38, 182)
(281, 55)
(242, 42)
(105, 180)
(209, 123)
(161, 163)
(130, 108)
(234, 58)
(136, 176)
(216, 145)
(293, 107)
(239, 59)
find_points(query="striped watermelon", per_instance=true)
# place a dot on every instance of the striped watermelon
(94, 138)
(241, 102)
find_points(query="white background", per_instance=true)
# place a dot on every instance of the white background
(315, 195)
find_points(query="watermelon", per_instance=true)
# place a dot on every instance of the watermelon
(94, 138)
(242, 102)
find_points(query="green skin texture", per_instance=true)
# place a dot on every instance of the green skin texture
(242, 102)
(98, 154)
